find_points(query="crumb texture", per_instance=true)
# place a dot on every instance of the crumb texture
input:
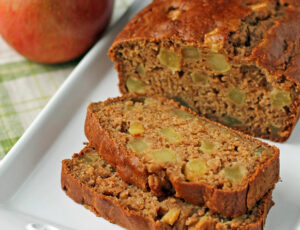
(98, 181)
(154, 141)
(164, 136)
(240, 70)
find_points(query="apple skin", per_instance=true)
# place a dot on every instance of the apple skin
(53, 31)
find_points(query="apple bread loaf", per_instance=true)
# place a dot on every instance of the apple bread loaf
(236, 62)
(157, 145)
(91, 181)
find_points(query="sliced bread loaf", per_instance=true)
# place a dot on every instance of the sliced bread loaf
(235, 62)
(157, 145)
(91, 181)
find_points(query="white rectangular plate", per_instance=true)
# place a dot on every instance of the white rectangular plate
(30, 193)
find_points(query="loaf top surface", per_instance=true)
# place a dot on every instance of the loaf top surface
(185, 20)
(98, 181)
(274, 26)
(163, 136)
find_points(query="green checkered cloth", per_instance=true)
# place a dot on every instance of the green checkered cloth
(26, 87)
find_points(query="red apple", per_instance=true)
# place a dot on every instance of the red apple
(52, 31)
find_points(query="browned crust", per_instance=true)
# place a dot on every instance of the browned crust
(281, 43)
(232, 203)
(102, 205)
(112, 211)
(129, 167)
(228, 203)
(268, 54)
(273, 55)
(226, 15)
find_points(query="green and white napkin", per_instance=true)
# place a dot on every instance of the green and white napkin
(26, 87)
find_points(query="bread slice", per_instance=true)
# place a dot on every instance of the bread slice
(235, 62)
(91, 181)
(157, 145)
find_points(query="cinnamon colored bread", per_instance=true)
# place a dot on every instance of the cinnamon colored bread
(157, 145)
(91, 181)
(236, 62)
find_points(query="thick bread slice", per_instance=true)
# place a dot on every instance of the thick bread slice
(157, 145)
(90, 181)
(235, 62)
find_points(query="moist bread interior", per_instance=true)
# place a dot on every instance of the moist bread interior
(188, 138)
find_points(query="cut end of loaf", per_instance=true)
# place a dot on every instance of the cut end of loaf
(217, 73)
(91, 181)
(178, 150)
(162, 135)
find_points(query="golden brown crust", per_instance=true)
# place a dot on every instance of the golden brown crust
(114, 212)
(102, 205)
(273, 54)
(232, 202)
(129, 167)
(278, 52)
(228, 203)
(208, 15)
(226, 16)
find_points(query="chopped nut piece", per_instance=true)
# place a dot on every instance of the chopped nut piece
(136, 129)
(207, 146)
(174, 14)
(124, 195)
(235, 173)
(218, 63)
(237, 96)
(280, 98)
(194, 169)
(191, 53)
(258, 6)
(170, 59)
(141, 70)
(135, 85)
(182, 114)
(199, 77)
(171, 135)
(171, 216)
(138, 145)
(214, 40)
(163, 155)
